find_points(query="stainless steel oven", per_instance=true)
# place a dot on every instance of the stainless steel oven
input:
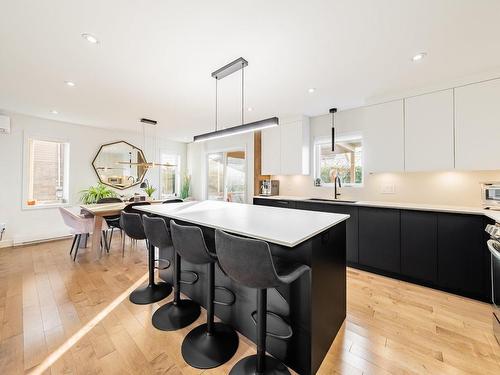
(491, 195)
(494, 247)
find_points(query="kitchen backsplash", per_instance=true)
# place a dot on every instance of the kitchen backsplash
(446, 188)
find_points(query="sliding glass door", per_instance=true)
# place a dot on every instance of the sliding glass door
(227, 176)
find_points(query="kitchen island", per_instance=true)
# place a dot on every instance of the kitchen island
(311, 309)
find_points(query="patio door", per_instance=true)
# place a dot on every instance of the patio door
(226, 180)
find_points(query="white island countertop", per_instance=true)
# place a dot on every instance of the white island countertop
(287, 227)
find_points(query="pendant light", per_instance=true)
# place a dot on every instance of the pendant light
(332, 111)
(232, 67)
(145, 163)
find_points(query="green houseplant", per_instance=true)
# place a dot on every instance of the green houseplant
(186, 186)
(94, 193)
(149, 190)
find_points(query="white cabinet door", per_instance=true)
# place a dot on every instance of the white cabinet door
(429, 132)
(383, 137)
(271, 151)
(477, 126)
(295, 148)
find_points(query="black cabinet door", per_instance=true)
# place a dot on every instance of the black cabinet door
(461, 254)
(419, 245)
(351, 227)
(274, 202)
(379, 238)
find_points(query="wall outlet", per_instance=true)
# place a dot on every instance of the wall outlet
(388, 189)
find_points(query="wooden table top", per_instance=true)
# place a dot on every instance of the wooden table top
(108, 209)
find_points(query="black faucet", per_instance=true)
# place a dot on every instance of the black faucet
(337, 179)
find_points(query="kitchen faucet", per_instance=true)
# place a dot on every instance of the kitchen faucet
(337, 179)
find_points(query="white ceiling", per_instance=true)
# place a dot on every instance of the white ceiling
(155, 57)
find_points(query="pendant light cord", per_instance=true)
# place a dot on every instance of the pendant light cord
(216, 104)
(242, 94)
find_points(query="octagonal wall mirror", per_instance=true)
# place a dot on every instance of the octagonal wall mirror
(120, 165)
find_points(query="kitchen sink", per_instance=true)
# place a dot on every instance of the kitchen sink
(330, 200)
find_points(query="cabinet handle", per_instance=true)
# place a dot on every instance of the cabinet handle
(283, 202)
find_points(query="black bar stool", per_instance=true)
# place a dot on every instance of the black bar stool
(131, 224)
(212, 344)
(250, 263)
(180, 312)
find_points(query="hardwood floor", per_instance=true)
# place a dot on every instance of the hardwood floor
(60, 317)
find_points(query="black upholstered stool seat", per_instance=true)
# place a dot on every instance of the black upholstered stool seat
(180, 312)
(213, 343)
(132, 224)
(249, 262)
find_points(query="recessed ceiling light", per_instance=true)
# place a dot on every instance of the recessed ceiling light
(90, 38)
(54, 112)
(311, 90)
(249, 109)
(419, 56)
(70, 83)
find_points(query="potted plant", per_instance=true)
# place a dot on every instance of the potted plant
(186, 186)
(94, 193)
(149, 190)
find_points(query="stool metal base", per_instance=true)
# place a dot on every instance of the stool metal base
(204, 351)
(147, 294)
(248, 366)
(171, 317)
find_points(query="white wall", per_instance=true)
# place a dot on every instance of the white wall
(197, 161)
(447, 188)
(36, 224)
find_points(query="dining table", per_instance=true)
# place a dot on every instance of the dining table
(100, 211)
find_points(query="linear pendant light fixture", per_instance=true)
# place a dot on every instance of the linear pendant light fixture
(232, 67)
(333, 111)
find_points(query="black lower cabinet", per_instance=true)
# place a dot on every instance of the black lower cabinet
(379, 239)
(274, 202)
(351, 227)
(461, 254)
(442, 250)
(419, 253)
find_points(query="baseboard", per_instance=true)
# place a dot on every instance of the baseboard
(31, 240)
(6, 243)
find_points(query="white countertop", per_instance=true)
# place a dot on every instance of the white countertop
(492, 214)
(281, 226)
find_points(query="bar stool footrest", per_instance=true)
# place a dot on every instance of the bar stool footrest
(195, 275)
(161, 261)
(228, 291)
(288, 336)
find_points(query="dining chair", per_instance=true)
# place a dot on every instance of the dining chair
(112, 221)
(79, 225)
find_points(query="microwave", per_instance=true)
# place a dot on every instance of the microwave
(491, 194)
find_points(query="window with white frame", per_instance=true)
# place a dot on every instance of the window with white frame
(346, 161)
(47, 173)
(170, 178)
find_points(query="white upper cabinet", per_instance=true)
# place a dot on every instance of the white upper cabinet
(383, 137)
(477, 126)
(429, 132)
(271, 151)
(285, 148)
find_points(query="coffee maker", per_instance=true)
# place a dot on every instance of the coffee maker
(269, 187)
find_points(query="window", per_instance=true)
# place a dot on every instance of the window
(47, 172)
(170, 179)
(346, 160)
(227, 176)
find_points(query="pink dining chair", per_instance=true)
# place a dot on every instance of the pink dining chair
(79, 225)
